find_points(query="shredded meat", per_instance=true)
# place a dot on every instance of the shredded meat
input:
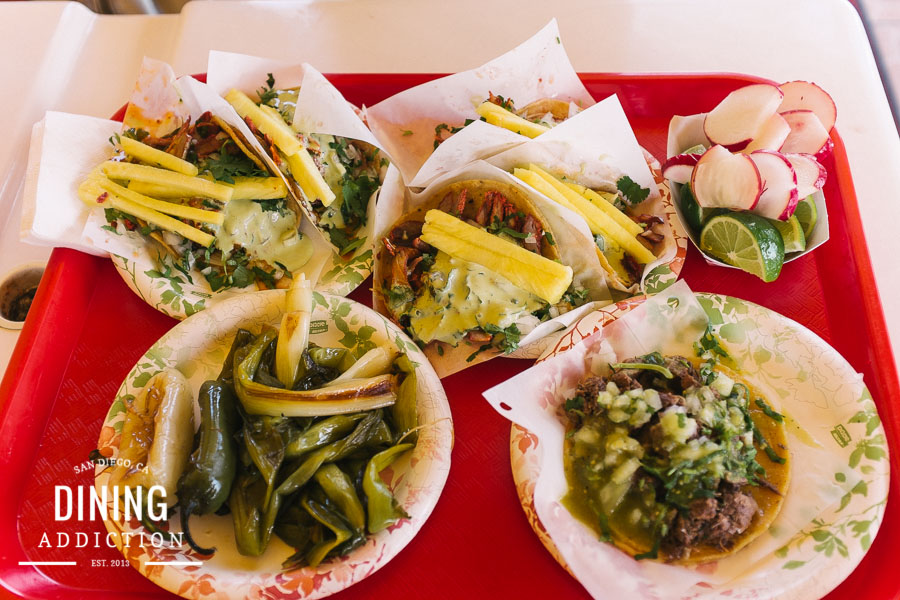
(406, 233)
(535, 231)
(454, 204)
(668, 400)
(736, 511)
(652, 236)
(648, 219)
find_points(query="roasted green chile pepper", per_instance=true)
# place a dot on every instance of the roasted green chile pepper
(205, 484)
(339, 489)
(384, 510)
(321, 434)
(405, 410)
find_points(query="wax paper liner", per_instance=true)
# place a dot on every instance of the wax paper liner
(320, 109)
(572, 237)
(52, 214)
(685, 132)
(669, 322)
(538, 68)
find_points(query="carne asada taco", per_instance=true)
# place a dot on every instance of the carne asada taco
(674, 460)
(332, 179)
(473, 269)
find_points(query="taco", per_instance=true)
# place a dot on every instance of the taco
(331, 179)
(204, 200)
(531, 120)
(473, 269)
(674, 461)
(625, 243)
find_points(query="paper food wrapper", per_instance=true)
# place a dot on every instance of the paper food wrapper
(669, 322)
(574, 242)
(685, 132)
(320, 109)
(52, 213)
(538, 68)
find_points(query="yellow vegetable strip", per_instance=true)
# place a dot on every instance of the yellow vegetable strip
(293, 335)
(168, 208)
(258, 188)
(92, 193)
(271, 125)
(499, 116)
(604, 204)
(157, 158)
(190, 186)
(541, 276)
(307, 175)
(598, 221)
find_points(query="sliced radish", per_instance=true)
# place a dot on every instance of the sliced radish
(725, 180)
(808, 135)
(803, 95)
(772, 135)
(680, 167)
(779, 197)
(811, 175)
(739, 117)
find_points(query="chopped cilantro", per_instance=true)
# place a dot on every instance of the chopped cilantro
(407, 132)
(267, 93)
(634, 194)
(227, 166)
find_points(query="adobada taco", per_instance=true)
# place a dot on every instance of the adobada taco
(624, 243)
(332, 179)
(204, 199)
(474, 269)
(531, 120)
(674, 462)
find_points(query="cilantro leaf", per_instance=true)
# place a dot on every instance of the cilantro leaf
(633, 192)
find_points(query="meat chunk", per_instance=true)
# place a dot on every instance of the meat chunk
(454, 204)
(733, 518)
(590, 387)
(668, 400)
(535, 232)
(683, 371)
(405, 233)
(626, 379)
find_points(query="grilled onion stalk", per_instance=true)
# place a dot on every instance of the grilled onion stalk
(293, 337)
(365, 393)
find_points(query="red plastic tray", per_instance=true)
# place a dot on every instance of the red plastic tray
(86, 330)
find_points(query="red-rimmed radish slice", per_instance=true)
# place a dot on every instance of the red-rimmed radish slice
(811, 175)
(725, 180)
(739, 117)
(804, 95)
(680, 167)
(771, 136)
(808, 135)
(779, 197)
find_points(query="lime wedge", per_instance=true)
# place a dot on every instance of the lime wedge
(698, 149)
(694, 214)
(746, 241)
(807, 215)
(792, 233)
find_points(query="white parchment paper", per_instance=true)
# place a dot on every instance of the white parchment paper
(538, 68)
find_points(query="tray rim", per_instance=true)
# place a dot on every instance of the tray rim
(23, 421)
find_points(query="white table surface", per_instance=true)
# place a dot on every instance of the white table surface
(60, 56)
